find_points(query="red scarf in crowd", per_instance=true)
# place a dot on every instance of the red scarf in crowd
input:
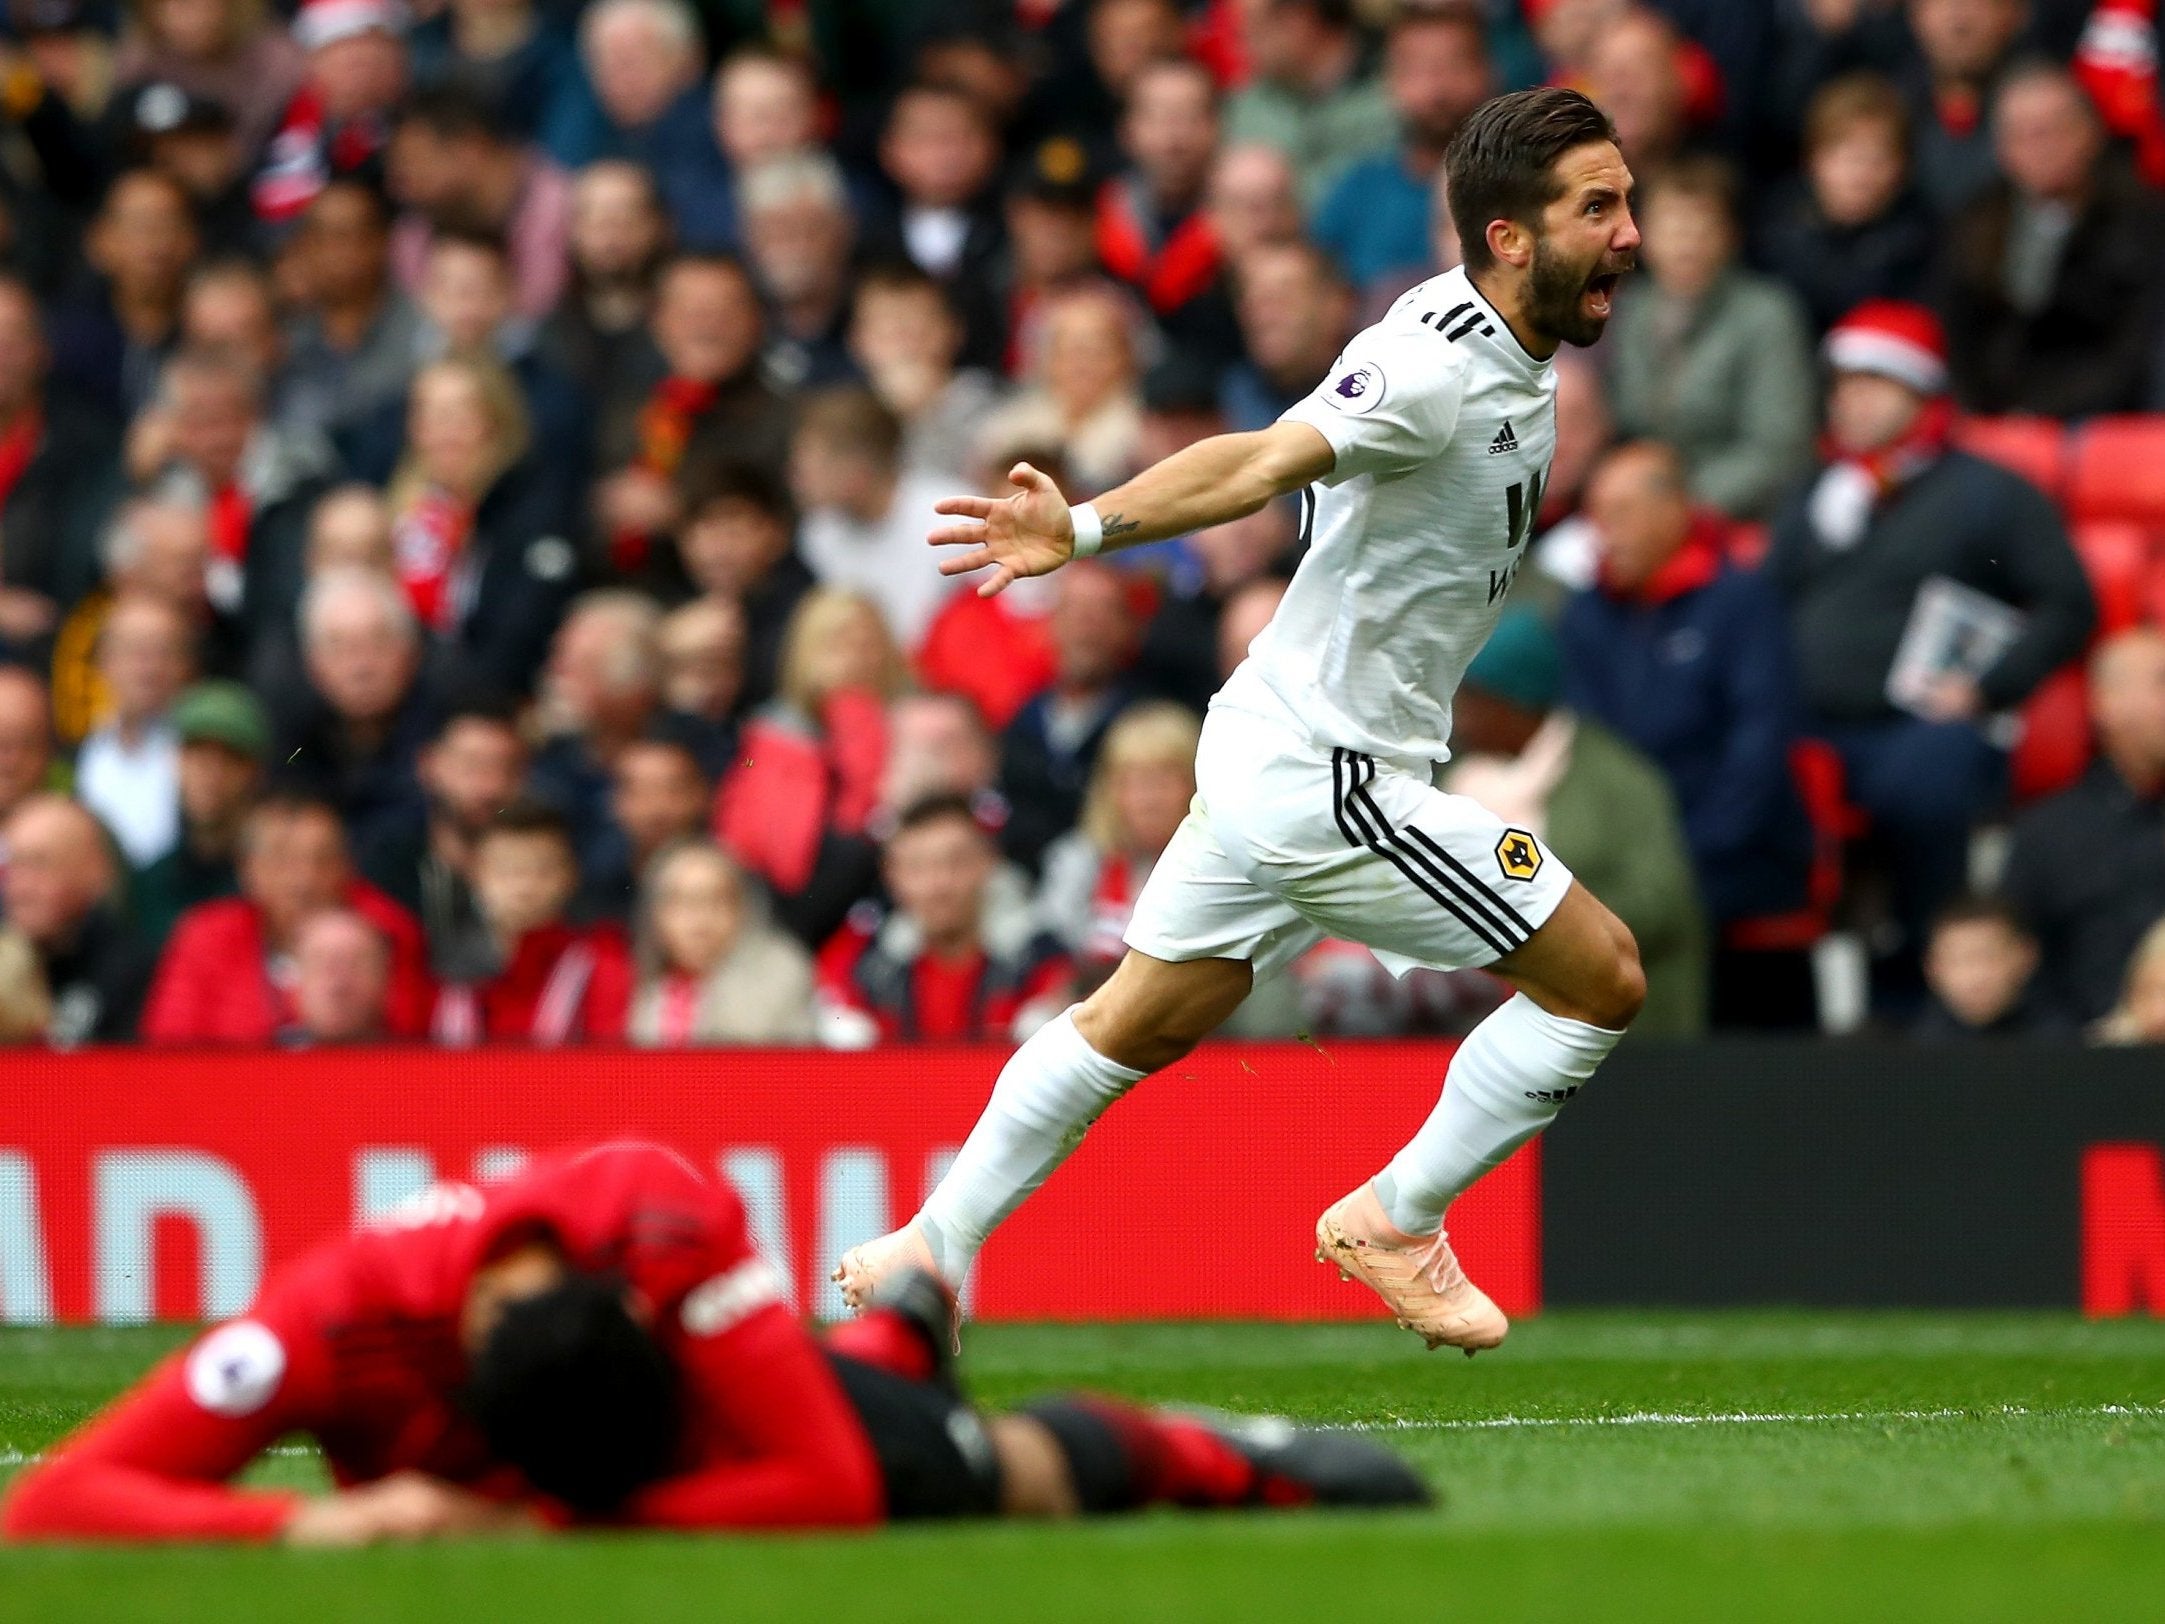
(227, 520)
(426, 545)
(18, 448)
(1854, 483)
(1168, 276)
(666, 423)
(677, 1014)
(2117, 64)
(1693, 565)
(301, 158)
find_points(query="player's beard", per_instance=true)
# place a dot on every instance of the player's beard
(1556, 292)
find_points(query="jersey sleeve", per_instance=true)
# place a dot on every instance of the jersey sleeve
(774, 1442)
(1388, 404)
(156, 1465)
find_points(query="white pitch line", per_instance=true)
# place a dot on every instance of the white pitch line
(1628, 1418)
(1738, 1418)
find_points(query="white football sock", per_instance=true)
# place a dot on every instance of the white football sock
(1049, 1092)
(1505, 1084)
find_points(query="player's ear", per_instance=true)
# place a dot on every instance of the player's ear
(1511, 243)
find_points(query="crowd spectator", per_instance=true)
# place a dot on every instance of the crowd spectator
(940, 151)
(866, 511)
(739, 544)
(1962, 48)
(226, 973)
(1980, 970)
(1600, 805)
(659, 795)
(795, 808)
(127, 771)
(799, 238)
(476, 529)
(354, 740)
(2089, 914)
(765, 105)
(711, 970)
(1153, 232)
(1315, 95)
(1708, 356)
(906, 338)
(695, 397)
(548, 982)
(1893, 509)
(1295, 314)
(1638, 69)
(1254, 199)
(1850, 226)
(650, 117)
(453, 163)
(702, 649)
(353, 336)
(619, 233)
(1139, 792)
(1081, 389)
(1375, 221)
(469, 771)
(938, 744)
(341, 982)
(2051, 274)
(602, 690)
(1048, 751)
(1685, 656)
(338, 123)
(2139, 1016)
(228, 52)
(110, 343)
(57, 463)
(26, 740)
(62, 890)
(223, 740)
(941, 966)
(508, 55)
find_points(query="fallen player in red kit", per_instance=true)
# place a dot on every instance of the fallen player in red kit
(596, 1342)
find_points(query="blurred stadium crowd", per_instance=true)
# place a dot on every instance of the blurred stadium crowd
(464, 471)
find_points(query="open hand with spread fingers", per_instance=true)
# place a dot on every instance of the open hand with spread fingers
(1028, 533)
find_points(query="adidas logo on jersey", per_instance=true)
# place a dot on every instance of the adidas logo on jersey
(1505, 440)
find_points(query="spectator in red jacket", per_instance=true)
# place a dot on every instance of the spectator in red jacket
(945, 966)
(341, 980)
(227, 973)
(793, 811)
(554, 983)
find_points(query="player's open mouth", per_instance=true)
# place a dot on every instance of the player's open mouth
(1601, 291)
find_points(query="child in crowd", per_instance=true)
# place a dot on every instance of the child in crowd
(1978, 968)
(555, 983)
(712, 969)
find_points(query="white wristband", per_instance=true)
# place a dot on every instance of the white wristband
(1089, 529)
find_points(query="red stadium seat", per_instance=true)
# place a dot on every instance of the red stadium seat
(2121, 560)
(2118, 470)
(2034, 447)
(2055, 745)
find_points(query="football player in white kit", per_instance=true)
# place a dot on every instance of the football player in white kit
(1420, 459)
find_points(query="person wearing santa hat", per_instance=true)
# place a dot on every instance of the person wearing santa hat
(1896, 510)
(339, 121)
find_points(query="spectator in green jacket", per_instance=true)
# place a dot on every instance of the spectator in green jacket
(1315, 95)
(1709, 357)
(1601, 806)
(224, 739)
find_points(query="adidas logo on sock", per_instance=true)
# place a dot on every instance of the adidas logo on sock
(1505, 440)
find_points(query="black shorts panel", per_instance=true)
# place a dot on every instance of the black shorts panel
(934, 1455)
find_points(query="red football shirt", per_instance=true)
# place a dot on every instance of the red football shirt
(357, 1344)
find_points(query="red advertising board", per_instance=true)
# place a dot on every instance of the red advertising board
(135, 1185)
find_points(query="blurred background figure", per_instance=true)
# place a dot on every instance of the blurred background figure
(222, 741)
(127, 771)
(62, 891)
(711, 970)
(1980, 969)
(341, 982)
(2139, 1016)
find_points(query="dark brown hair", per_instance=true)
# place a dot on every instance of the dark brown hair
(1502, 163)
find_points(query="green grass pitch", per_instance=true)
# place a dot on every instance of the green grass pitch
(1662, 1466)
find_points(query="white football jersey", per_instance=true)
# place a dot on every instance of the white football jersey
(1444, 427)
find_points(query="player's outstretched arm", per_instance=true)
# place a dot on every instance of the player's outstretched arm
(1210, 482)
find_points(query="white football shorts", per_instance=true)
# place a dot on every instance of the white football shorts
(1288, 842)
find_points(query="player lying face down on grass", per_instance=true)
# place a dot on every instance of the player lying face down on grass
(595, 1342)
